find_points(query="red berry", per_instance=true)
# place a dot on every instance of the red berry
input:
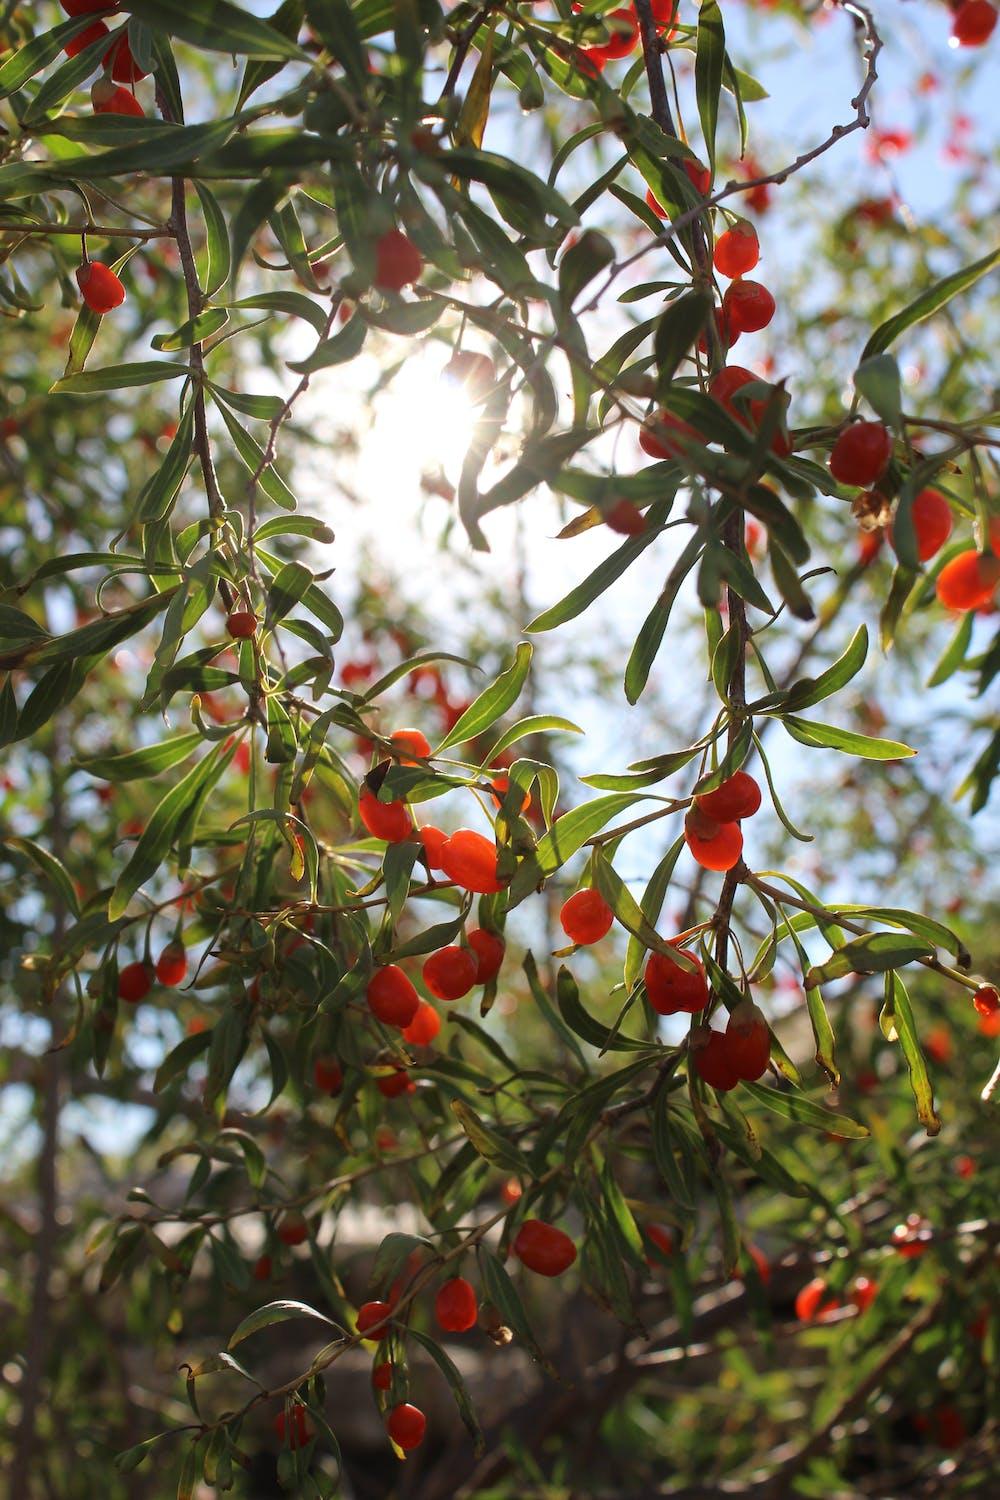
(748, 1041)
(372, 1317)
(476, 372)
(406, 1426)
(470, 860)
(810, 1305)
(716, 846)
(736, 797)
(737, 250)
(710, 1054)
(932, 522)
(99, 286)
(948, 1427)
(665, 16)
(328, 1075)
(543, 1248)
(625, 518)
(489, 950)
(424, 1027)
(294, 1426)
(410, 740)
(624, 37)
(913, 1238)
(968, 581)
(262, 1268)
(662, 1239)
(111, 99)
(433, 840)
(655, 438)
(455, 1305)
(863, 1292)
(124, 68)
(392, 997)
(724, 385)
(242, 624)
(135, 982)
(382, 1375)
(700, 177)
(171, 966)
(586, 917)
(511, 1191)
(761, 1263)
(869, 546)
(747, 306)
(398, 262)
(861, 453)
(293, 1229)
(450, 973)
(385, 820)
(973, 23)
(670, 989)
(391, 1085)
(986, 1000)
(85, 38)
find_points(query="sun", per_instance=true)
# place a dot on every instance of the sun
(422, 425)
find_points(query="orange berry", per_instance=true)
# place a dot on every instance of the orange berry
(489, 950)
(861, 453)
(655, 439)
(586, 917)
(262, 1268)
(433, 840)
(124, 68)
(737, 250)
(99, 286)
(450, 973)
(470, 860)
(85, 38)
(389, 821)
(748, 1042)
(812, 1303)
(382, 1375)
(424, 1027)
(328, 1075)
(747, 307)
(411, 740)
(661, 1238)
(973, 22)
(715, 846)
(968, 581)
(863, 1292)
(670, 989)
(710, 1055)
(171, 966)
(625, 518)
(932, 523)
(987, 1000)
(111, 99)
(391, 1085)
(737, 797)
(293, 1427)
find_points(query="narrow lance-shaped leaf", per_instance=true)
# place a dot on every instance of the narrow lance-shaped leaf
(899, 1013)
(492, 701)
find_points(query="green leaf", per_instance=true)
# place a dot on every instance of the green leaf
(804, 1112)
(216, 241)
(624, 905)
(877, 379)
(492, 701)
(161, 489)
(276, 1312)
(51, 867)
(194, 331)
(217, 26)
(118, 377)
(509, 179)
(928, 302)
(827, 737)
(570, 832)
(294, 304)
(451, 1373)
(252, 455)
(710, 57)
(37, 54)
(489, 1143)
(501, 1291)
(343, 346)
(337, 26)
(605, 574)
(157, 837)
(650, 637)
(179, 1059)
(898, 1012)
(148, 761)
(811, 690)
(525, 728)
(591, 254)
(676, 331)
(584, 1025)
(871, 954)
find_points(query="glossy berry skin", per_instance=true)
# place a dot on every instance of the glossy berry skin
(389, 821)
(656, 436)
(670, 989)
(913, 1238)
(382, 1375)
(586, 917)
(812, 1303)
(700, 177)
(725, 385)
(968, 581)
(748, 1042)
(135, 982)
(624, 37)
(99, 286)
(470, 860)
(715, 846)
(124, 68)
(398, 262)
(861, 453)
(391, 996)
(543, 1248)
(932, 523)
(85, 39)
(737, 250)
(373, 1317)
(455, 1306)
(450, 973)
(747, 306)
(737, 797)
(711, 1060)
(293, 1229)
(391, 1085)
(411, 741)
(293, 1427)
(863, 1292)
(406, 1426)
(111, 99)
(973, 23)
(986, 1000)
(424, 1027)
(489, 950)
(433, 840)
(242, 624)
(328, 1075)
(171, 966)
